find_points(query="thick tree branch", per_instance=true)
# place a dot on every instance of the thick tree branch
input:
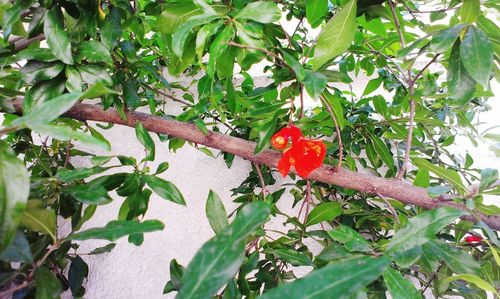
(390, 188)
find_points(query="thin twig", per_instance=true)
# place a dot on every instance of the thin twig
(68, 148)
(409, 139)
(390, 207)
(425, 67)
(308, 200)
(396, 22)
(261, 179)
(337, 129)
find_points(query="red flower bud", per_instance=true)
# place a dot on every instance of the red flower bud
(473, 239)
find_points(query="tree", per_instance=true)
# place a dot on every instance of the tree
(73, 68)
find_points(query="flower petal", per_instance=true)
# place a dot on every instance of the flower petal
(309, 155)
(285, 163)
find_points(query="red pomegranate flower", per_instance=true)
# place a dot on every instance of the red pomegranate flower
(472, 239)
(305, 154)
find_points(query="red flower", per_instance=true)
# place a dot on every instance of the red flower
(305, 155)
(472, 239)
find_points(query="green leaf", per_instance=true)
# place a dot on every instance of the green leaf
(77, 273)
(93, 51)
(351, 239)
(34, 71)
(293, 257)
(48, 111)
(459, 261)
(117, 229)
(92, 194)
(98, 90)
(315, 84)
(315, 10)
(47, 285)
(165, 189)
(336, 280)
(111, 30)
(68, 175)
(447, 174)
(460, 84)
(399, 287)
(39, 219)
(181, 34)
(476, 54)
(435, 191)
(65, 133)
(204, 35)
(297, 67)
(175, 14)
(336, 36)
(260, 11)
(479, 282)
(421, 228)
(380, 105)
(383, 151)
(92, 74)
(372, 85)
(146, 140)
(219, 259)
(324, 212)
(407, 258)
(488, 177)
(266, 130)
(216, 213)
(57, 39)
(470, 11)
(18, 250)
(105, 249)
(14, 192)
(444, 39)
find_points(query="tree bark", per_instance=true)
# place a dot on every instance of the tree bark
(387, 187)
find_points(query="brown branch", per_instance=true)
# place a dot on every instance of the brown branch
(414, 80)
(23, 43)
(409, 138)
(337, 129)
(261, 179)
(362, 182)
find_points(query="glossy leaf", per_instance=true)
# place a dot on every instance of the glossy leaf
(93, 51)
(39, 219)
(117, 229)
(399, 287)
(314, 84)
(351, 239)
(324, 212)
(336, 280)
(315, 10)
(447, 174)
(14, 192)
(474, 279)
(476, 54)
(383, 151)
(260, 11)
(181, 34)
(47, 285)
(145, 139)
(165, 189)
(444, 39)
(460, 83)
(216, 213)
(336, 36)
(422, 228)
(218, 260)
(458, 261)
(470, 11)
(57, 39)
(292, 256)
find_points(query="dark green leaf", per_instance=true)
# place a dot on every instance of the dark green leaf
(421, 228)
(351, 239)
(337, 280)
(117, 229)
(77, 273)
(314, 83)
(383, 151)
(266, 130)
(146, 140)
(89, 193)
(57, 39)
(218, 260)
(111, 30)
(476, 54)
(399, 287)
(38, 71)
(93, 51)
(293, 257)
(165, 189)
(47, 285)
(457, 260)
(460, 84)
(104, 249)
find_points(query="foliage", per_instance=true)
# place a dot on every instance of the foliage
(430, 68)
